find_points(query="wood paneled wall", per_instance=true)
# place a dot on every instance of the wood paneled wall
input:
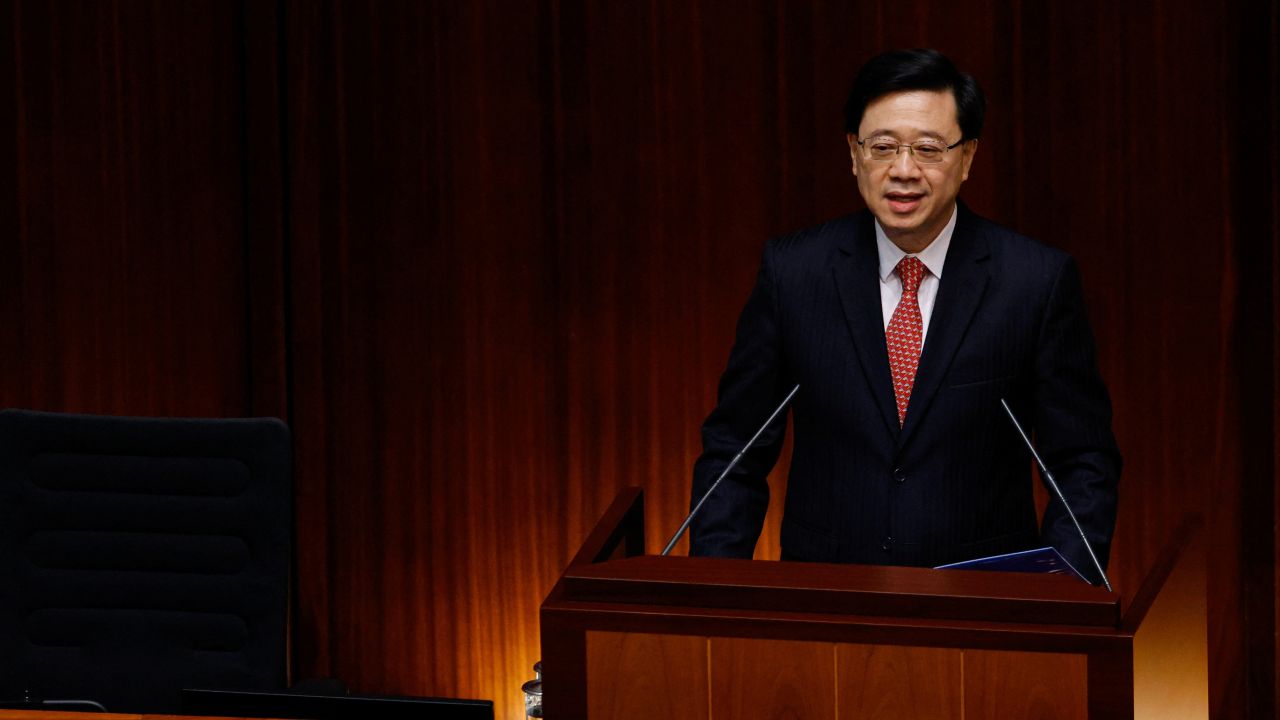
(122, 275)
(486, 258)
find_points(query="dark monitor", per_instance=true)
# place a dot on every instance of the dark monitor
(331, 707)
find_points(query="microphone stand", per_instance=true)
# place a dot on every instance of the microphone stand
(685, 525)
(1053, 484)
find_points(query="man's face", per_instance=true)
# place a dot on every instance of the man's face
(912, 200)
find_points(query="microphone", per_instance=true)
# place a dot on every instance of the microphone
(685, 525)
(1053, 484)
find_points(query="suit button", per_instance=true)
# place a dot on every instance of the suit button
(899, 475)
(886, 544)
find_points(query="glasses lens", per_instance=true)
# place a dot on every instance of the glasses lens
(928, 152)
(882, 149)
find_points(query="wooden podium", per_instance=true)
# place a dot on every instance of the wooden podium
(625, 635)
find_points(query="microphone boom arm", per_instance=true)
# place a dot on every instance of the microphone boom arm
(728, 468)
(1053, 484)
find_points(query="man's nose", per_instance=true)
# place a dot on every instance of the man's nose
(904, 164)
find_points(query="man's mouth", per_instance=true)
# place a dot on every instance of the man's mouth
(904, 202)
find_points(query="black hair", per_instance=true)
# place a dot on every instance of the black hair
(920, 69)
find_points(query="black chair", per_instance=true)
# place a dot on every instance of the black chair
(140, 556)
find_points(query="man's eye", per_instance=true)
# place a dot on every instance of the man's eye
(883, 148)
(928, 151)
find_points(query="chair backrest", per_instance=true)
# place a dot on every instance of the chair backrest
(139, 556)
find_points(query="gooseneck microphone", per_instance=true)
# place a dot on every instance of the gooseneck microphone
(685, 525)
(1053, 484)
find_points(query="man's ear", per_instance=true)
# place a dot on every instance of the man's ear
(852, 139)
(970, 149)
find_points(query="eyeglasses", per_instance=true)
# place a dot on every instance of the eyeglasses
(926, 152)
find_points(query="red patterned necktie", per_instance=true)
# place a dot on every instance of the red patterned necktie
(903, 336)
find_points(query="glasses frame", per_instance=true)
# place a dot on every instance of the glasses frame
(911, 150)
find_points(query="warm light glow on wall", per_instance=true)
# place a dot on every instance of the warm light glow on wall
(1172, 643)
(508, 701)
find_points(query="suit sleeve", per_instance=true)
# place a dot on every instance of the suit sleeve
(1073, 427)
(752, 385)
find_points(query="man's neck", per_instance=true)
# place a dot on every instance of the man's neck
(912, 244)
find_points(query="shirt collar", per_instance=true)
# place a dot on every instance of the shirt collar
(934, 256)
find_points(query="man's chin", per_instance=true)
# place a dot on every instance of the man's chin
(906, 231)
(899, 224)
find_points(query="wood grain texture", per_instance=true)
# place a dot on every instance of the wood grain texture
(425, 347)
(122, 276)
(885, 591)
(1002, 684)
(889, 682)
(634, 676)
(772, 678)
(486, 259)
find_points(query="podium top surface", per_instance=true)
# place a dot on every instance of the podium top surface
(611, 569)
(864, 590)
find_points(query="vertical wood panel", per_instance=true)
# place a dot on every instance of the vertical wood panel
(265, 210)
(890, 682)
(424, 329)
(1001, 684)
(772, 678)
(124, 283)
(667, 116)
(1246, 669)
(633, 676)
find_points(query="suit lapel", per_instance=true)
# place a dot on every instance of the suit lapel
(964, 278)
(858, 283)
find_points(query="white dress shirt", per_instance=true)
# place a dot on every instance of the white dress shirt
(933, 257)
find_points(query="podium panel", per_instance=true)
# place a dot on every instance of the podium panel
(1003, 684)
(888, 682)
(754, 678)
(641, 675)
(635, 676)
(626, 635)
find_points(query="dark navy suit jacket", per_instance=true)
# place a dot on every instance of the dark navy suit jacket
(954, 482)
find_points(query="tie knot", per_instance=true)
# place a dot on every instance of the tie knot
(911, 271)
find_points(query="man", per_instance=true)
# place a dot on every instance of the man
(905, 325)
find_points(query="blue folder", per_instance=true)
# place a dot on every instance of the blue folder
(1041, 560)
